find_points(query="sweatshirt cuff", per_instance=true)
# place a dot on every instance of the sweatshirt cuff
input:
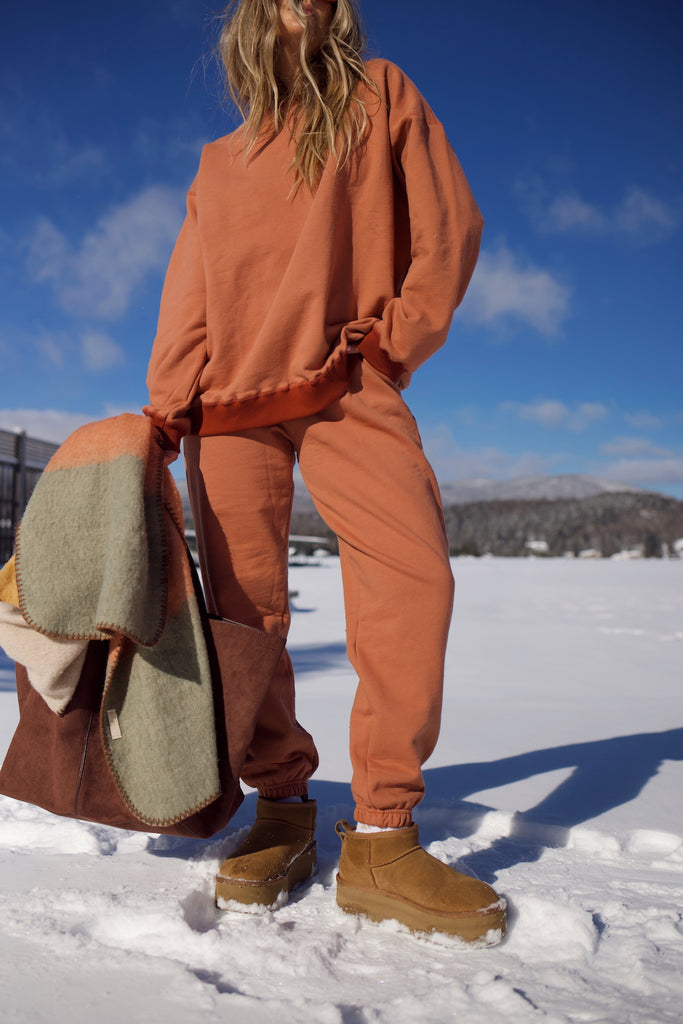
(170, 438)
(370, 349)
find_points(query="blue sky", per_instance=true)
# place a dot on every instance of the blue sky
(566, 355)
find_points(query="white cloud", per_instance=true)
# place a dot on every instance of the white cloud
(466, 414)
(54, 424)
(46, 154)
(97, 277)
(569, 212)
(451, 462)
(43, 424)
(100, 352)
(643, 421)
(173, 143)
(94, 350)
(55, 349)
(549, 412)
(505, 289)
(644, 472)
(586, 413)
(554, 413)
(52, 348)
(68, 164)
(633, 446)
(113, 409)
(639, 214)
(49, 252)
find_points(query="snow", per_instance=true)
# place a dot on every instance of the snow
(558, 777)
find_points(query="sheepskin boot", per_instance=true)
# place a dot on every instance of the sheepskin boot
(388, 875)
(278, 853)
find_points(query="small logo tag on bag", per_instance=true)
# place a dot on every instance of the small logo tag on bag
(114, 727)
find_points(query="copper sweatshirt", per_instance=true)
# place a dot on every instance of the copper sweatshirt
(267, 288)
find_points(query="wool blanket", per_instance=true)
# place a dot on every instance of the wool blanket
(101, 554)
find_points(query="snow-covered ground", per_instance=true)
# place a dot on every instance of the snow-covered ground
(558, 776)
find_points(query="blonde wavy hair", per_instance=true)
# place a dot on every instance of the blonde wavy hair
(328, 116)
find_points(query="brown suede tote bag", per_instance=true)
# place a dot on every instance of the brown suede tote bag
(58, 762)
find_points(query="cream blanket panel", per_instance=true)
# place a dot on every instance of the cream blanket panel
(53, 666)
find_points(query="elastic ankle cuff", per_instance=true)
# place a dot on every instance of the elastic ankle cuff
(398, 818)
(281, 792)
(370, 830)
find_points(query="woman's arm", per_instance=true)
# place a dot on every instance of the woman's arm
(445, 233)
(179, 350)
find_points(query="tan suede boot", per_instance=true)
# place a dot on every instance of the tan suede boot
(278, 853)
(388, 875)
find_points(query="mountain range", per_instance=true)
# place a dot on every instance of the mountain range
(541, 515)
(570, 486)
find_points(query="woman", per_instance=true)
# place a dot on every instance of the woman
(327, 242)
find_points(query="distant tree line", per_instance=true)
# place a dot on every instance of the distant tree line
(606, 524)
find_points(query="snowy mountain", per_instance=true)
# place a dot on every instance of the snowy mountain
(545, 515)
(570, 486)
(551, 515)
(638, 522)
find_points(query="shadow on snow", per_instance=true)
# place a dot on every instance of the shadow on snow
(606, 774)
(317, 657)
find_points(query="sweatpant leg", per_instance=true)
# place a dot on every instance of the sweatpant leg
(241, 491)
(363, 463)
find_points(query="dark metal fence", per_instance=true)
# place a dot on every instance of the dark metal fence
(22, 460)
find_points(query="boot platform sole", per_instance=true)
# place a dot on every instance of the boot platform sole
(269, 893)
(483, 928)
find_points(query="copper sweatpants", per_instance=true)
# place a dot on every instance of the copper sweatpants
(363, 464)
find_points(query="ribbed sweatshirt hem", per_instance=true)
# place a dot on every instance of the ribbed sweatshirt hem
(302, 399)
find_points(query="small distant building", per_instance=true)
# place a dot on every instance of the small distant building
(22, 460)
(538, 547)
(306, 549)
(628, 554)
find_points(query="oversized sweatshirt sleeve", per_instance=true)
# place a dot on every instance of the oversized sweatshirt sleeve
(445, 233)
(179, 350)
